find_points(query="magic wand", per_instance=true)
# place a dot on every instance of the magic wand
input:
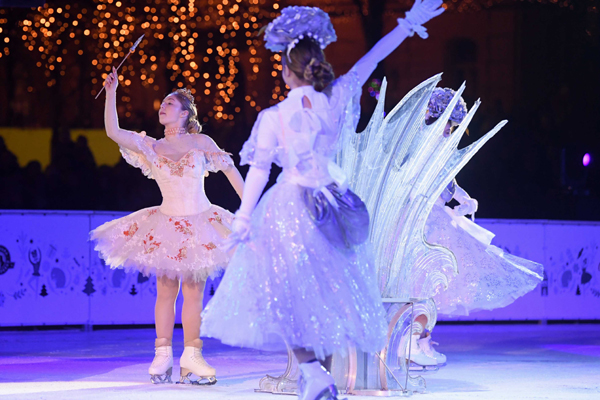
(131, 50)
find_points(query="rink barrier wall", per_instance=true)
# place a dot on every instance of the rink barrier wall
(51, 275)
(569, 251)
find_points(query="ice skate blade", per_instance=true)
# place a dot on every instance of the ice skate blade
(329, 393)
(201, 381)
(414, 367)
(164, 378)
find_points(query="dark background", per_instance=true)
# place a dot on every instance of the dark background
(535, 63)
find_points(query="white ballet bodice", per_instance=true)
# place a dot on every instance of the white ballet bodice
(181, 182)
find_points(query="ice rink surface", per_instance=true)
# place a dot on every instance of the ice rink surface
(489, 362)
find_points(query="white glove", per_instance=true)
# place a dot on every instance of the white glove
(256, 180)
(467, 208)
(241, 225)
(421, 12)
(240, 229)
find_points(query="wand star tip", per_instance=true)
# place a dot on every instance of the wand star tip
(137, 42)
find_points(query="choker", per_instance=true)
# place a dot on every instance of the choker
(174, 131)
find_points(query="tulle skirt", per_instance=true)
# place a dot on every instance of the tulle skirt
(488, 277)
(148, 241)
(287, 282)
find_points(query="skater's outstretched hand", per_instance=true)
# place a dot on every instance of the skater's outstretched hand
(467, 208)
(240, 230)
(241, 226)
(468, 205)
(421, 12)
(111, 82)
(424, 10)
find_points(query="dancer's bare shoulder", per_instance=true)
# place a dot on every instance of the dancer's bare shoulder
(206, 143)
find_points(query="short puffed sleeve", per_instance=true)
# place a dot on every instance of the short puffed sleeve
(262, 148)
(216, 161)
(142, 159)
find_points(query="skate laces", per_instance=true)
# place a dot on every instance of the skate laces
(160, 359)
(428, 352)
(428, 349)
(430, 342)
(197, 358)
(425, 346)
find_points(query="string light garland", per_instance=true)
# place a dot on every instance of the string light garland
(202, 44)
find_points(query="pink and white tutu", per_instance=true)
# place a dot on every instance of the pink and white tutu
(151, 242)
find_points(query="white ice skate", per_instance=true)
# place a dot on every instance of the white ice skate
(426, 344)
(192, 363)
(161, 368)
(315, 383)
(418, 359)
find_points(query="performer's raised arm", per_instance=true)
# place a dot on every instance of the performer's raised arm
(121, 136)
(421, 12)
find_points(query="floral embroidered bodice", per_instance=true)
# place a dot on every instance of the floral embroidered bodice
(181, 182)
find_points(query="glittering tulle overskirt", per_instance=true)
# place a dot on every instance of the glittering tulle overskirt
(151, 242)
(287, 282)
(488, 277)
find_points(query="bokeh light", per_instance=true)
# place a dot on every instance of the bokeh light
(204, 51)
(587, 159)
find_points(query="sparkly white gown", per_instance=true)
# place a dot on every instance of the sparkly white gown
(287, 281)
(488, 277)
(182, 237)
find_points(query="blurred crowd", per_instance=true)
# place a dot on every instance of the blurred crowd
(520, 174)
